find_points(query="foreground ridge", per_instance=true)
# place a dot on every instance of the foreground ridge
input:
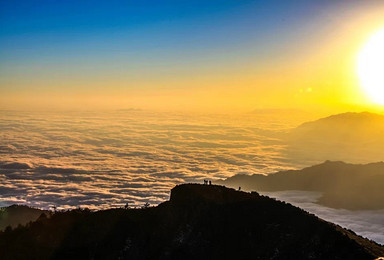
(198, 222)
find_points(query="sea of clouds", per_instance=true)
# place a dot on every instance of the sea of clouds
(107, 159)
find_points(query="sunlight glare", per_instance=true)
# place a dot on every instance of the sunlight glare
(371, 67)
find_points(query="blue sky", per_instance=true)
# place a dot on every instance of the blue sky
(35, 29)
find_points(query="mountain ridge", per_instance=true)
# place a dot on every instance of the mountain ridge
(350, 136)
(343, 185)
(198, 222)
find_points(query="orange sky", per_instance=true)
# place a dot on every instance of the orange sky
(313, 67)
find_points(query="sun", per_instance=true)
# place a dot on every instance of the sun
(370, 67)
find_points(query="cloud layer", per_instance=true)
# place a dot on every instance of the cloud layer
(102, 160)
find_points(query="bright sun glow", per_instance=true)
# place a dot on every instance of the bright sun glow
(371, 67)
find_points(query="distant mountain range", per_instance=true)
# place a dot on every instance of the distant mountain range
(352, 137)
(198, 222)
(350, 186)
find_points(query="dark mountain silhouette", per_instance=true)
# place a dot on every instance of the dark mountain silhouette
(18, 214)
(353, 137)
(350, 186)
(14, 166)
(199, 222)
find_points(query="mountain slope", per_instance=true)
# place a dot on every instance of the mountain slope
(354, 137)
(18, 214)
(351, 186)
(199, 222)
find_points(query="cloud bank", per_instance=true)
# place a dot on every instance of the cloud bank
(102, 160)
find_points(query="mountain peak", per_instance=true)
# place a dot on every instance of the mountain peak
(351, 136)
(187, 193)
(347, 117)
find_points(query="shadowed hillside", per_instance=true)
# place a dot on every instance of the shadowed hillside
(354, 137)
(350, 186)
(18, 214)
(199, 222)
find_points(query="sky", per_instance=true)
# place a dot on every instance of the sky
(193, 55)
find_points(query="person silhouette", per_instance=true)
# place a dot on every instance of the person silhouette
(210, 182)
(239, 188)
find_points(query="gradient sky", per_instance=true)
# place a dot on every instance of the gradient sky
(209, 55)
